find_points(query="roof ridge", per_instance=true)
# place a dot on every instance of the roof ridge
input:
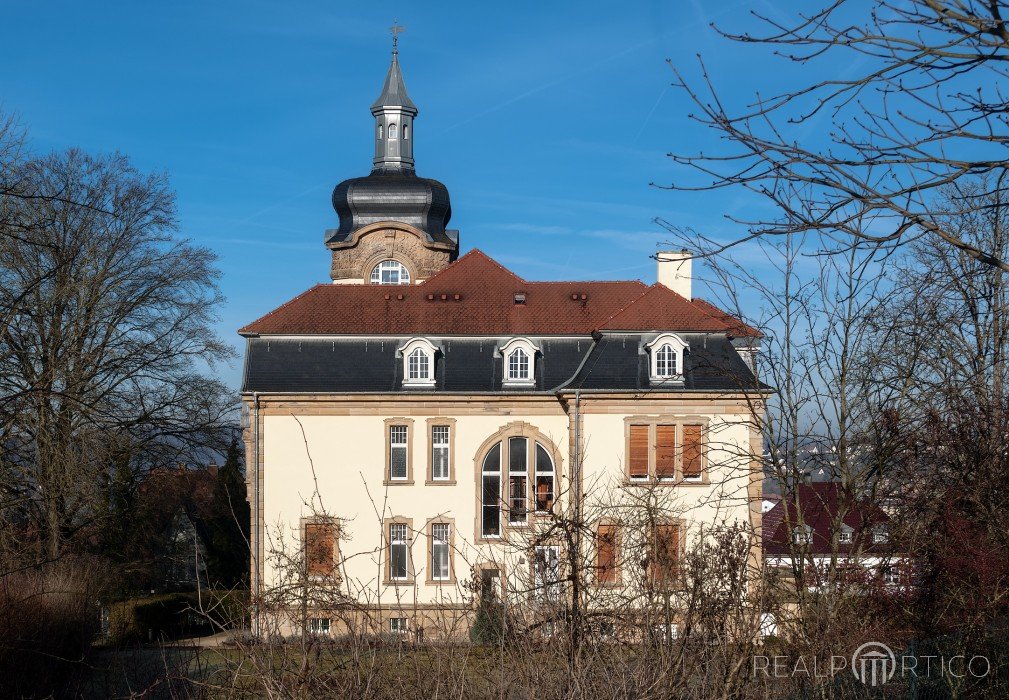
(624, 308)
(283, 306)
(585, 282)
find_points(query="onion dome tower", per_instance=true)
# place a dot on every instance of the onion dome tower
(392, 222)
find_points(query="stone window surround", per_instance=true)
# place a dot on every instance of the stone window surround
(513, 429)
(387, 552)
(450, 424)
(388, 423)
(679, 422)
(429, 532)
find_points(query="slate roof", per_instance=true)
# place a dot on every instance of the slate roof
(394, 89)
(613, 362)
(819, 504)
(476, 296)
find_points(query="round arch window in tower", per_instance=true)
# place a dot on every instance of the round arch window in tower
(390, 272)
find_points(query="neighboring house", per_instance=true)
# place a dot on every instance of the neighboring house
(820, 524)
(420, 422)
(185, 556)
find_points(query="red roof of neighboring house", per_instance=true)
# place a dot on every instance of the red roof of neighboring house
(475, 295)
(819, 504)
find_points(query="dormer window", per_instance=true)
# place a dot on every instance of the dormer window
(881, 535)
(418, 363)
(518, 365)
(666, 358)
(519, 362)
(845, 535)
(390, 272)
(418, 366)
(802, 534)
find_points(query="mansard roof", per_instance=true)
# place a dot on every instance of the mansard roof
(610, 362)
(476, 296)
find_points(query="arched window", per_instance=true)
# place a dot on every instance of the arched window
(406, 131)
(418, 362)
(544, 480)
(380, 132)
(528, 462)
(665, 361)
(390, 272)
(518, 365)
(418, 365)
(490, 493)
(668, 352)
(392, 131)
(519, 358)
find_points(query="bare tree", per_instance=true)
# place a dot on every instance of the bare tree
(910, 100)
(107, 339)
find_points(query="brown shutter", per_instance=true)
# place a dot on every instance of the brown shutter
(320, 549)
(665, 451)
(606, 554)
(692, 451)
(638, 458)
(666, 553)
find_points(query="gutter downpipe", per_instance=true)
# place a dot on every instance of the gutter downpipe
(257, 573)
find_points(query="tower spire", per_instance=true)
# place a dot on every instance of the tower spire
(394, 113)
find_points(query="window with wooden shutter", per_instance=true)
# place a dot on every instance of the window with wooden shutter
(664, 562)
(606, 554)
(637, 460)
(320, 549)
(693, 454)
(665, 451)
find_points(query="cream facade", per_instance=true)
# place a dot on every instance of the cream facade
(434, 431)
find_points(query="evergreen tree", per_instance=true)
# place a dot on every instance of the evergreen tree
(228, 524)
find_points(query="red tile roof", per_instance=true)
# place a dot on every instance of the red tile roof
(820, 503)
(475, 295)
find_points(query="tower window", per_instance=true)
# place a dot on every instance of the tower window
(392, 131)
(406, 132)
(390, 272)
(380, 131)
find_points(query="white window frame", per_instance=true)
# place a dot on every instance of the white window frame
(881, 534)
(399, 536)
(441, 444)
(405, 446)
(546, 578)
(399, 625)
(488, 476)
(507, 350)
(441, 553)
(802, 534)
(846, 535)
(319, 626)
(426, 347)
(404, 273)
(678, 346)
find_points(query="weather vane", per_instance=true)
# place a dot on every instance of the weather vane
(396, 29)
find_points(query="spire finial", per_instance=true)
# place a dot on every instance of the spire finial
(395, 30)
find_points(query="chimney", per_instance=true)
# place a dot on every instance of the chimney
(674, 271)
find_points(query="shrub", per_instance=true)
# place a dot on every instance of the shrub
(48, 619)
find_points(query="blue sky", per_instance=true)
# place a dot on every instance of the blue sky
(547, 121)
